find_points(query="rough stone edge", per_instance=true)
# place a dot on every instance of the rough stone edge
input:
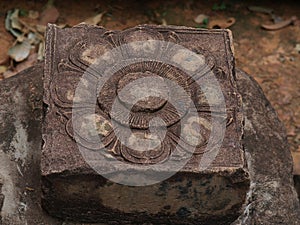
(272, 198)
(20, 144)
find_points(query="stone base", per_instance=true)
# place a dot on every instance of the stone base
(73, 190)
(185, 198)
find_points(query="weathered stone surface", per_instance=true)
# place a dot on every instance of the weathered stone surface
(193, 195)
(20, 147)
(272, 198)
(66, 62)
(255, 212)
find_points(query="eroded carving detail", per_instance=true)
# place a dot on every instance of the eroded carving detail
(85, 53)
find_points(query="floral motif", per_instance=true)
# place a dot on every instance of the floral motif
(84, 54)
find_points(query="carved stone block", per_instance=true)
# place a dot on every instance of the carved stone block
(142, 125)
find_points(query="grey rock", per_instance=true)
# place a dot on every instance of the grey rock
(272, 198)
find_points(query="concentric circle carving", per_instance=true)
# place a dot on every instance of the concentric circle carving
(145, 101)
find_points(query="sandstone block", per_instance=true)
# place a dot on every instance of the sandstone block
(103, 158)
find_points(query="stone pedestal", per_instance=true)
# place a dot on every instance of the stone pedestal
(81, 90)
(271, 198)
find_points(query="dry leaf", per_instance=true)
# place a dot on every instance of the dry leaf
(260, 9)
(41, 51)
(14, 20)
(49, 15)
(95, 20)
(20, 51)
(164, 22)
(33, 38)
(221, 23)
(3, 69)
(280, 25)
(4, 48)
(12, 23)
(41, 28)
(31, 60)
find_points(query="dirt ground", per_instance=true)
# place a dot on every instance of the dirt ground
(271, 57)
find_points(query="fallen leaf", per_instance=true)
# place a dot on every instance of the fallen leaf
(14, 20)
(40, 28)
(3, 69)
(41, 51)
(9, 73)
(49, 15)
(30, 61)
(221, 23)
(4, 48)
(32, 29)
(280, 25)
(95, 20)
(164, 22)
(7, 20)
(33, 38)
(11, 21)
(200, 18)
(20, 51)
(260, 9)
